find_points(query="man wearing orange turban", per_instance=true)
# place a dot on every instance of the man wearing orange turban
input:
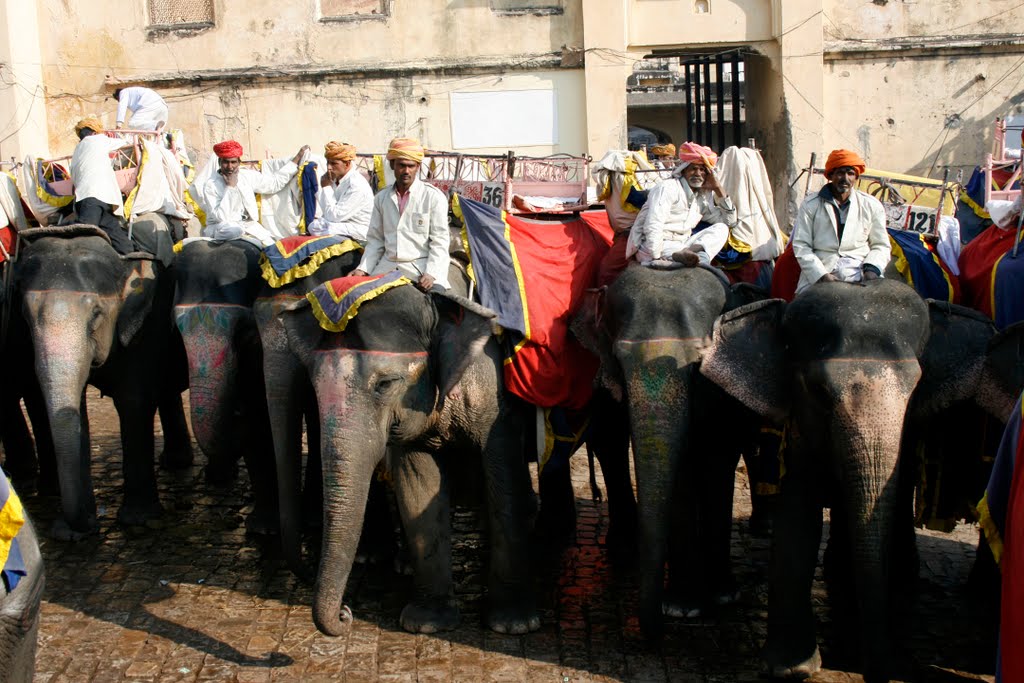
(98, 199)
(667, 227)
(345, 200)
(228, 197)
(409, 226)
(840, 233)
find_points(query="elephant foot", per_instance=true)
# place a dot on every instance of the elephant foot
(140, 515)
(429, 617)
(680, 610)
(261, 523)
(177, 457)
(513, 619)
(797, 671)
(62, 530)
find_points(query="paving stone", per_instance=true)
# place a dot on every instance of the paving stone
(201, 600)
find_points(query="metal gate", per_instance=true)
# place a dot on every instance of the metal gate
(713, 85)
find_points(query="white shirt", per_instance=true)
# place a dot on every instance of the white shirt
(414, 241)
(344, 208)
(224, 204)
(816, 243)
(92, 172)
(671, 213)
(142, 102)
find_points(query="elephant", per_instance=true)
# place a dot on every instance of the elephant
(216, 284)
(97, 317)
(846, 367)
(226, 314)
(19, 607)
(652, 330)
(415, 380)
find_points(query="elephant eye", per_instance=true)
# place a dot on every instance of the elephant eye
(386, 385)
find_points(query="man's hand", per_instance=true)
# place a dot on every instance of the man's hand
(298, 155)
(119, 125)
(828, 277)
(425, 282)
(358, 273)
(326, 180)
(870, 275)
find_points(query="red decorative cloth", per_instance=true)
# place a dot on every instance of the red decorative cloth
(229, 149)
(844, 157)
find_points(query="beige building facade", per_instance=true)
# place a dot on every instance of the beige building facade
(914, 86)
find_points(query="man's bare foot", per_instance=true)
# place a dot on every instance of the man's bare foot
(687, 257)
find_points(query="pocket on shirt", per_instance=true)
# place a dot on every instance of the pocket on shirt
(419, 223)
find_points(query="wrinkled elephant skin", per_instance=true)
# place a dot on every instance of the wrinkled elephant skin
(415, 381)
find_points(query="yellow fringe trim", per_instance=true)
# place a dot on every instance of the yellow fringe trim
(12, 517)
(330, 325)
(550, 438)
(463, 234)
(129, 203)
(304, 269)
(52, 199)
(900, 262)
(196, 209)
(977, 208)
(179, 246)
(378, 168)
(988, 526)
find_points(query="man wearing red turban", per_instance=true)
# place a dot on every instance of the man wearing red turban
(345, 200)
(228, 197)
(840, 233)
(668, 227)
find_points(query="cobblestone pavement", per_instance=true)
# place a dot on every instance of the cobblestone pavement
(199, 600)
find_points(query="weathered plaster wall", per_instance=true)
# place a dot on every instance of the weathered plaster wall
(22, 108)
(665, 22)
(916, 86)
(277, 74)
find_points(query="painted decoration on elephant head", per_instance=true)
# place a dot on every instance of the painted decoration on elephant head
(337, 301)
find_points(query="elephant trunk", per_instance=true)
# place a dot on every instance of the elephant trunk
(346, 487)
(658, 384)
(208, 332)
(62, 365)
(867, 427)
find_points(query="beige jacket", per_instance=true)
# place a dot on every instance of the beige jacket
(816, 236)
(415, 241)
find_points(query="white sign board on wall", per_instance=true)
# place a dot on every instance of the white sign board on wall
(506, 118)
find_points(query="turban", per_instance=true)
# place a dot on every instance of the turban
(690, 152)
(229, 149)
(844, 157)
(92, 123)
(405, 148)
(668, 150)
(339, 151)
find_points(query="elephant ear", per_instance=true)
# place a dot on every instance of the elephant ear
(137, 296)
(747, 357)
(589, 331)
(953, 359)
(1002, 377)
(463, 328)
(301, 327)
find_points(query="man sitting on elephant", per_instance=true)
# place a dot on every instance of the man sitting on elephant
(667, 227)
(345, 200)
(409, 226)
(98, 199)
(229, 196)
(840, 232)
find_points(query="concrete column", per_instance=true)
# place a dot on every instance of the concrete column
(22, 99)
(607, 68)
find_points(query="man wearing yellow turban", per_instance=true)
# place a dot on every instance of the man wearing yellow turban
(345, 200)
(839, 234)
(98, 199)
(409, 226)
